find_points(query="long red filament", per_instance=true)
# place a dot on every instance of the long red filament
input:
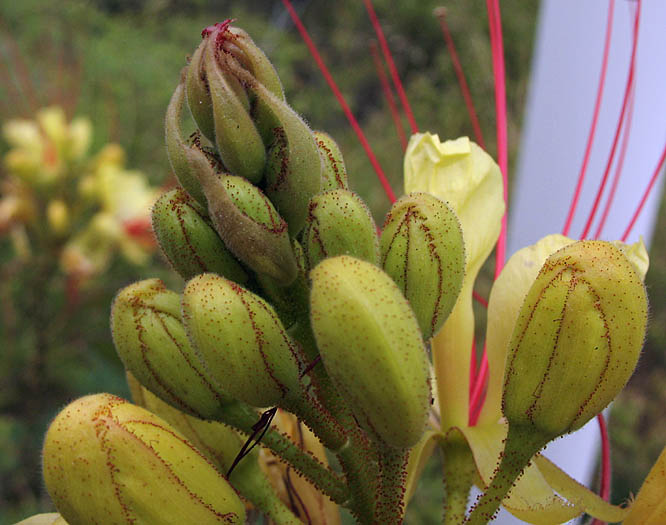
(605, 483)
(627, 89)
(620, 163)
(595, 118)
(391, 65)
(495, 25)
(440, 13)
(497, 47)
(341, 100)
(653, 180)
(477, 397)
(388, 95)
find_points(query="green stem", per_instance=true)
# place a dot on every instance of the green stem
(308, 408)
(522, 443)
(242, 417)
(459, 471)
(390, 505)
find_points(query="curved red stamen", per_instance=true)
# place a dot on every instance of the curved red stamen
(620, 163)
(391, 65)
(595, 118)
(440, 13)
(341, 100)
(478, 392)
(480, 299)
(605, 483)
(495, 26)
(627, 89)
(648, 190)
(388, 95)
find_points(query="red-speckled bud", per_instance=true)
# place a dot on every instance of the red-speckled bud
(240, 340)
(108, 461)
(189, 241)
(371, 346)
(422, 248)
(339, 223)
(576, 340)
(152, 344)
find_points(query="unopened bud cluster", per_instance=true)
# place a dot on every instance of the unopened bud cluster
(295, 300)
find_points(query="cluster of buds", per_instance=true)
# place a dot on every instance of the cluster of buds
(296, 302)
(56, 197)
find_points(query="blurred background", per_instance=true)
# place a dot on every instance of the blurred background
(74, 228)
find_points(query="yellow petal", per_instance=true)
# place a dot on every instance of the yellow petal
(650, 505)
(544, 494)
(51, 518)
(569, 488)
(418, 458)
(460, 173)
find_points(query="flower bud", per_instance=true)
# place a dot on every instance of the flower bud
(221, 444)
(248, 224)
(237, 139)
(240, 340)
(293, 167)
(189, 242)
(152, 344)
(178, 151)
(339, 223)
(108, 461)
(422, 249)
(371, 346)
(334, 172)
(576, 340)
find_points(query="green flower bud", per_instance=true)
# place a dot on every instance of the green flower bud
(293, 167)
(189, 242)
(248, 224)
(334, 172)
(108, 461)
(371, 346)
(423, 251)
(576, 340)
(179, 151)
(221, 444)
(152, 344)
(241, 341)
(340, 223)
(237, 139)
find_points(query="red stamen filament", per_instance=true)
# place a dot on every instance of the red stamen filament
(388, 95)
(620, 162)
(478, 392)
(604, 488)
(653, 180)
(440, 13)
(595, 118)
(391, 65)
(497, 47)
(479, 298)
(341, 100)
(495, 25)
(630, 80)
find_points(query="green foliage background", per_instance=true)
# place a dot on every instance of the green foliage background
(118, 62)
